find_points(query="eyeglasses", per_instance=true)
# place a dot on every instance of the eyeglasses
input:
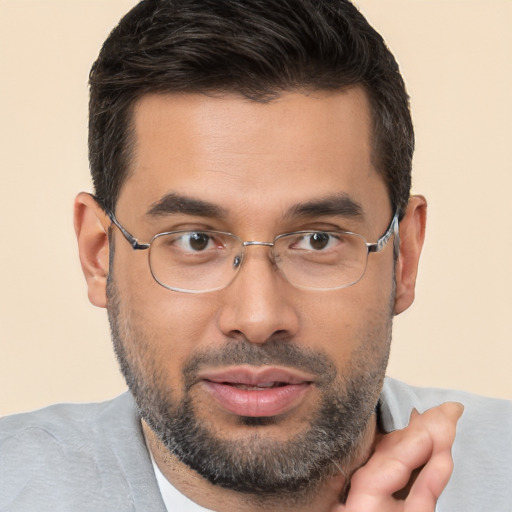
(206, 261)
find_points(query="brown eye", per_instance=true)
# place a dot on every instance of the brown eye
(198, 241)
(319, 241)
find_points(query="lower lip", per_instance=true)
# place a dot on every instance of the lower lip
(259, 402)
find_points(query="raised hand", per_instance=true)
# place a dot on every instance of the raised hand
(409, 468)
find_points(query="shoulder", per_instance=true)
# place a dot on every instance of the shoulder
(53, 415)
(60, 424)
(398, 399)
(73, 457)
(482, 451)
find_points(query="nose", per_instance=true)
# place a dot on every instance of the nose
(258, 305)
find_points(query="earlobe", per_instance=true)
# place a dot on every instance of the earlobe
(91, 228)
(412, 235)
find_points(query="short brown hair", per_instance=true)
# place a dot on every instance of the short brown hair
(257, 48)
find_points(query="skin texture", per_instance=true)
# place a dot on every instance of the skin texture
(257, 162)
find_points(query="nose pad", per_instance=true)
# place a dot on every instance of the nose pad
(239, 258)
(237, 261)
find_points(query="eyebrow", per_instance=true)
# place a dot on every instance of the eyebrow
(176, 203)
(340, 205)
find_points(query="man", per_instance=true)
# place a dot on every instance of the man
(251, 236)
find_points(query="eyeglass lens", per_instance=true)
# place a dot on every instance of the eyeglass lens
(209, 260)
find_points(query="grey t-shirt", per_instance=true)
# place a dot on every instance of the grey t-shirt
(92, 457)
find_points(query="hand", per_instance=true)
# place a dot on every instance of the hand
(409, 468)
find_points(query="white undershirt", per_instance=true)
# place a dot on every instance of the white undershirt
(174, 500)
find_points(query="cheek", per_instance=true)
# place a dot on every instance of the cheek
(167, 326)
(349, 321)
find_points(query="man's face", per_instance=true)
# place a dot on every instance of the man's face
(262, 385)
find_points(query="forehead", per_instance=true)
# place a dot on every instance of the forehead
(243, 154)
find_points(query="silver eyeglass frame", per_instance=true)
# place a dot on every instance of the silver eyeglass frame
(375, 247)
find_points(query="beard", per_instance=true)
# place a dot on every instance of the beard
(257, 463)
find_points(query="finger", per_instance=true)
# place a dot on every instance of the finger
(396, 458)
(441, 424)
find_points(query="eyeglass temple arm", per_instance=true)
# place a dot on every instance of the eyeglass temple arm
(384, 239)
(131, 239)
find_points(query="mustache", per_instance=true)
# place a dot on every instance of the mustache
(273, 352)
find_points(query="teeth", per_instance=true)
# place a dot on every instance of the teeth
(262, 385)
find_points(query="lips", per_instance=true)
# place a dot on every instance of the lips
(256, 392)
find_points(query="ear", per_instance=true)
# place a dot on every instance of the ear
(412, 235)
(91, 227)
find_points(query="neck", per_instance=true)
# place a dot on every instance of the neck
(321, 497)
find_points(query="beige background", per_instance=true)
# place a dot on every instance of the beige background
(456, 58)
